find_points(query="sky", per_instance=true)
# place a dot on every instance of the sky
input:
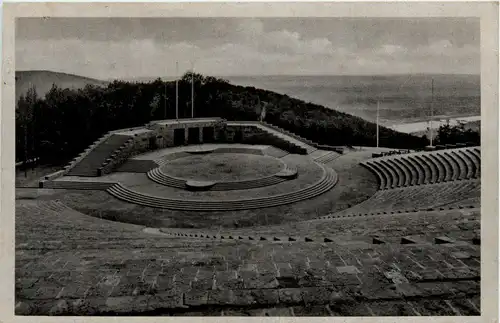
(110, 48)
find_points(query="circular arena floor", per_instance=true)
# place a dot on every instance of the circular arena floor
(222, 167)
(302, 189)
(223, 179)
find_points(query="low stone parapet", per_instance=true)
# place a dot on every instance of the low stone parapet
(199, 185)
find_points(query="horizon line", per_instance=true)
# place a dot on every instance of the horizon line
(257, 75)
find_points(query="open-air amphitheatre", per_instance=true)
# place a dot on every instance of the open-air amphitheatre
(217, 217)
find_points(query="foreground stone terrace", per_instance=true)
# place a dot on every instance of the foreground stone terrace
(70, 263)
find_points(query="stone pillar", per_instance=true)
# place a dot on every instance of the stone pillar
(169, 137)
(200, 131)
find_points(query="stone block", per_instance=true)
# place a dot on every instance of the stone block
(261, 281)
(196, 298)
(290, 295)
(121, 304)
(243, 297)
(443, 240)
(408, 240)
(311, 310)
(316, 295)
(348, 270)
(392, 308)
(173, 298)
(220, 297)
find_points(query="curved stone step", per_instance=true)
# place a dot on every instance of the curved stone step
(416, 198)
(391, 176)
(401, 178)
(441, 167)
(159, 177)
(250, 184)
(288, 173)
(326, 183)
(462, 164)
(412, 170)
(428, 172)
(418, 168)
(473, 163)
(378, 172)
(434, 178)
(477, 154)
(454, 164)
(447, 166)
(407, 172)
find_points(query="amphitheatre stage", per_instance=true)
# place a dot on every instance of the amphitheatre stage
(216, 217)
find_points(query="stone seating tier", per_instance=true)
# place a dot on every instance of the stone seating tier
(419, 197)
(425, 168)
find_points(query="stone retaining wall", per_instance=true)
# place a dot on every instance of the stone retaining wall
(165, 131)
(159, 136)
(138, 144)
(252, 135)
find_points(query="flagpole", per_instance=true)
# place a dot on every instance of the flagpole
(165, 107)
(176, 90)
(377, 121)
(192, 90)
(432, 111)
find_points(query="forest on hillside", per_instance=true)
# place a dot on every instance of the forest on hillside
(60, 125)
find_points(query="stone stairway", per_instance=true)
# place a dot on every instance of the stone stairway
(327, 158)
(291, 134)
(93, 160)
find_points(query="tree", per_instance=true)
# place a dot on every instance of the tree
(154, 105)
(26, 110)
(447, 134)
(66, 121)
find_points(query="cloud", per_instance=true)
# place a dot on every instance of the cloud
(104, 59)
(284, 41)
(445, 47)
(440, 46)
(389, 49)
(250, 47)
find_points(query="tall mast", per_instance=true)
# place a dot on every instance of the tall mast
(432, 111)
(377, 121)
(192, 90)
(165, 107)
(176, 90)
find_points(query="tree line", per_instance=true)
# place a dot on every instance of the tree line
(448, 134)
(62, 123)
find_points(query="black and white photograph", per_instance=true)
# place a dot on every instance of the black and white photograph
(248, 166)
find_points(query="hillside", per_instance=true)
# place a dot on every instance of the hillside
(66, 122)
(402, 98)
(43, 80)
